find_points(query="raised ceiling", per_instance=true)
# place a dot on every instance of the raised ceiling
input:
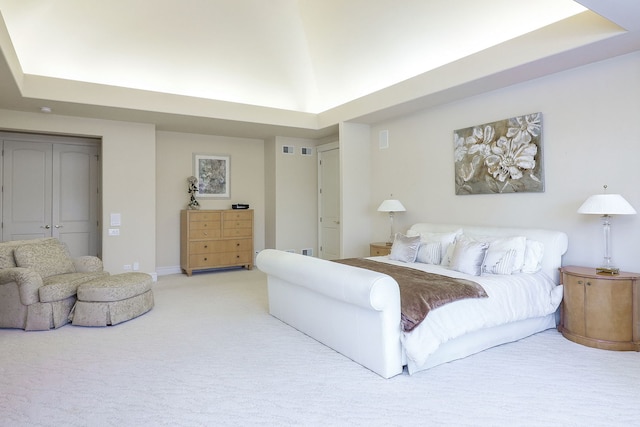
(267, 67)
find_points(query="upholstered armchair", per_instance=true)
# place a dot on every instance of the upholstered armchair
(39, 281)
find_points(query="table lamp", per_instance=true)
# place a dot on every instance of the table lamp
(391, 206)
(606, 205)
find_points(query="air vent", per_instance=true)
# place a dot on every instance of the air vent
(306, 151)
(383, 139)
(307, 252)
(288, 149)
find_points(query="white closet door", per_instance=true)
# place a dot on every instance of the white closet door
(75, 197)
(26, 199)
(329, 203)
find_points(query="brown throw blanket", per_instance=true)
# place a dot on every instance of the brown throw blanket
(420, 291)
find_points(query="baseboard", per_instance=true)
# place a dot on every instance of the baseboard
(165, 271)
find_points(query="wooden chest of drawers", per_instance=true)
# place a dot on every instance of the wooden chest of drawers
(215, 239)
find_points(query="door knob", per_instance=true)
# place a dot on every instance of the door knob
(45, 226)
(59, 226)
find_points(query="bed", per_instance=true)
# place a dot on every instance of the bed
(357, 312)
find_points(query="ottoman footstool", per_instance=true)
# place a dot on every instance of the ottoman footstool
(112, 299)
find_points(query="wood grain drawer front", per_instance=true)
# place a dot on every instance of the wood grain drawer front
(219, 259)
(206, 216)
(238, 231)
(204, 230)
(217, 246)
(243, 215)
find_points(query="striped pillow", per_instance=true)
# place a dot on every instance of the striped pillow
(499, 262)
(429, 253)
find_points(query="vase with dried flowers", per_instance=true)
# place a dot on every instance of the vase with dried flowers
(193, 187)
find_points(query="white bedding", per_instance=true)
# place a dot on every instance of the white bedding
(511, 298)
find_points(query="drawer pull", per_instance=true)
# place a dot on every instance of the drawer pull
(206, 259)
(588, 283)
(206, 246)
(237, 244)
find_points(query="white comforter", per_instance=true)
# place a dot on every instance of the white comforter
(511, 298)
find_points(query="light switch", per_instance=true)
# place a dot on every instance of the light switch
(115, 220)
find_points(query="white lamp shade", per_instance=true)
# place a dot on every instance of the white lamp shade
(391, 205)
(606, 204)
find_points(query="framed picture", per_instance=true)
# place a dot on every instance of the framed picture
(212, 172)
(500, 157)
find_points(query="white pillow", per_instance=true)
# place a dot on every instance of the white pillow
(404, 248)
(498, 262)
(468, 256)
(533, 253)
(429, 253)
(445, 239)
(504, 244)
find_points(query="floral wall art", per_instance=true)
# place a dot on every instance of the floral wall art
(500, 157)
(212, 173)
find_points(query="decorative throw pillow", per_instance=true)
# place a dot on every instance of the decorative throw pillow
(498, 262)
(404, 248)
(46, 260)
(533, 253)
(429, 253)
(468, 256)
(6, 256)
(445, 239)
(503, 244)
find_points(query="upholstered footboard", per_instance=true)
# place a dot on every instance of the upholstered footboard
(354, 311)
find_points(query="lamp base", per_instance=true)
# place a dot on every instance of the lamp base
(609, 271)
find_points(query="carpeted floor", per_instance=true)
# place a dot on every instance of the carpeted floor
(209, 354)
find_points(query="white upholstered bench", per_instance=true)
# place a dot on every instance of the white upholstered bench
(112, 299)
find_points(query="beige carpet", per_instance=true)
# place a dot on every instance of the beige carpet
(209, 354)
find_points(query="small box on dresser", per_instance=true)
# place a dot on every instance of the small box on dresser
(212, 239)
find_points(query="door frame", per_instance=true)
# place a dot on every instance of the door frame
(29, 137)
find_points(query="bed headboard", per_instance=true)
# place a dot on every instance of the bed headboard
(555, 242)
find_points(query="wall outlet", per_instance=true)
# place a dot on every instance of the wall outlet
(293, 251)
(127, 267)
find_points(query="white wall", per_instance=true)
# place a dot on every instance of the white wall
(128, 180)
(293, 195)
(175, 164)
(356, 203)
(590, 138)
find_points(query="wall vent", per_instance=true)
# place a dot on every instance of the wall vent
(383, 139)
(307, 151)
(288, 149)
(307, 252)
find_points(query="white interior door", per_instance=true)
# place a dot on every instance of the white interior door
(329, 202)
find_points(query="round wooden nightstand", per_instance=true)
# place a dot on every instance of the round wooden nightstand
(379, 249)
(601, 311)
